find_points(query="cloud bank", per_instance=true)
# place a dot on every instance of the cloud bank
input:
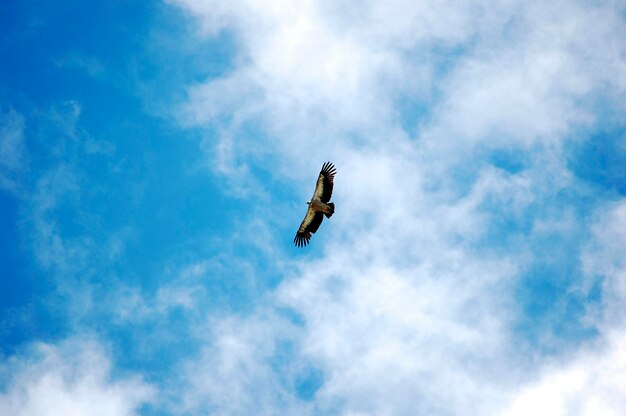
(452, 125)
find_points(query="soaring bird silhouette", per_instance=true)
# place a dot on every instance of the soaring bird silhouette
(318, 205)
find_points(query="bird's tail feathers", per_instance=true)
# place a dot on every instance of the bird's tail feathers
(332, 210)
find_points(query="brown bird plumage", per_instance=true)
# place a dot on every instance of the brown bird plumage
(318, 206)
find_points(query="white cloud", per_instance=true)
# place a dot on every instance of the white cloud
(604, 262)
(410, 308)
(594, 383)
(72, 378)
(534, 85)
(236, 373)
(386, 336)
(181, 292)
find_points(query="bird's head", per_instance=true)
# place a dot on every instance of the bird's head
(308, 203)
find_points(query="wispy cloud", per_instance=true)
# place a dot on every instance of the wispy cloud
(13, 154)
(604, 264)
(236, 372)
(92, 66)
(71, 378)
(592, 383)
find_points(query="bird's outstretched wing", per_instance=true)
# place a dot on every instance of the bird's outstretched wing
(309, 226)
(324, 185)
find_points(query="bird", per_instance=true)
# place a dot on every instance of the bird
(318, 205)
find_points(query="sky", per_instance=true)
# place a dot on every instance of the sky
(155, 161)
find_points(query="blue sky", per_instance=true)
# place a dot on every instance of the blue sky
(155, 158)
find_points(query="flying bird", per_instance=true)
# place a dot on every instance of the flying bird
(318, 205)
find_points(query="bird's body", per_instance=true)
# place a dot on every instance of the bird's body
(319, 205)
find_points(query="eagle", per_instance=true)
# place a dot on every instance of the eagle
(318, 205)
